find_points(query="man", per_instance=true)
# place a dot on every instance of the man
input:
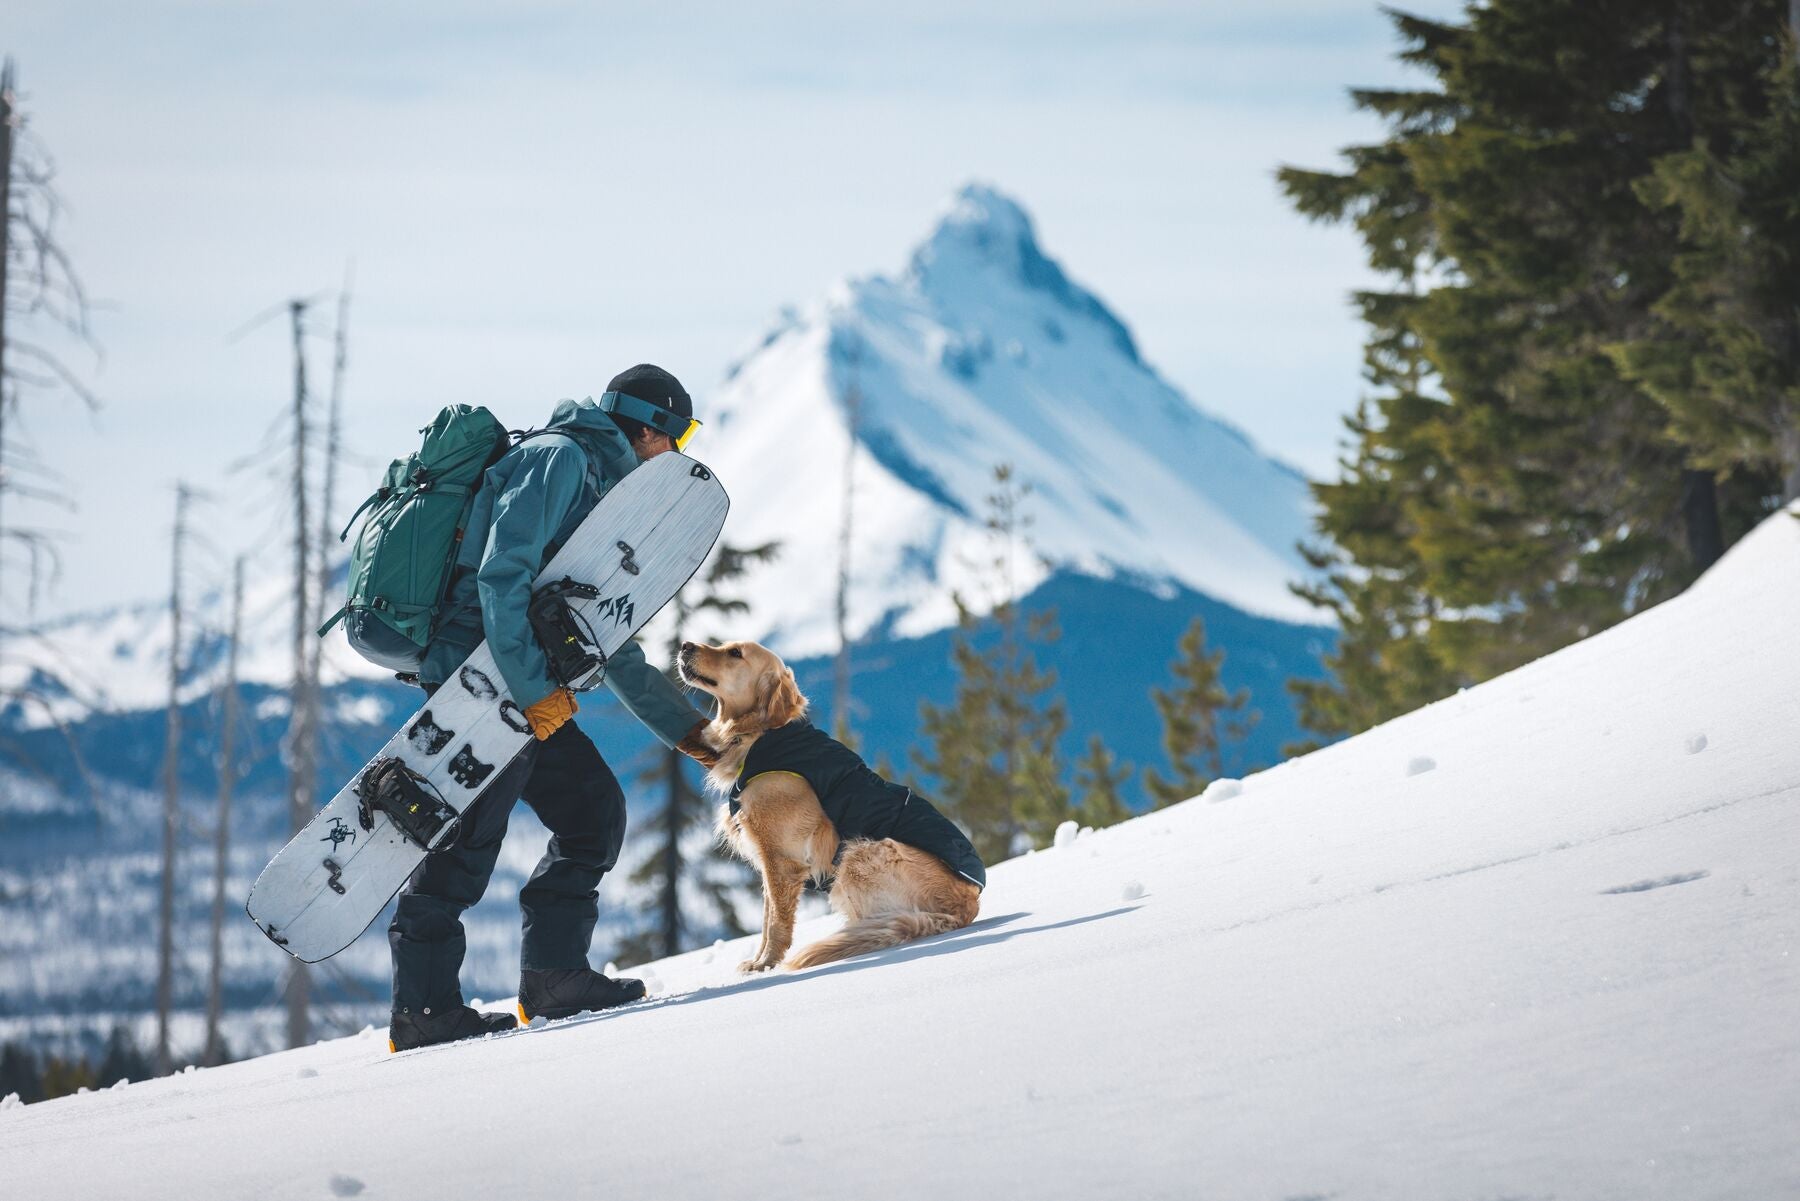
(530, 501)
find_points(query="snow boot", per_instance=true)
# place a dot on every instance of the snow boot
(407, 1029)
(565, 992)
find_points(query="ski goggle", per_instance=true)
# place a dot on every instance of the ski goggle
(662, 420)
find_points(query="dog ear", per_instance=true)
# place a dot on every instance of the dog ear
(781, 700)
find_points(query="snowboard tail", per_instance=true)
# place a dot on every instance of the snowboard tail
(627, 559)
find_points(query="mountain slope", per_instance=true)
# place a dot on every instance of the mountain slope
(984, 352)
(1537, 940)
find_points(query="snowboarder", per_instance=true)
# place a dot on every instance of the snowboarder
(529, 503)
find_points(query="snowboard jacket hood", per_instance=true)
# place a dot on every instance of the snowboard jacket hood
(529, 503)
(859, 803)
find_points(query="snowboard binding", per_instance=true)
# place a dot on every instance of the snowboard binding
(410, 802)
(568, 641)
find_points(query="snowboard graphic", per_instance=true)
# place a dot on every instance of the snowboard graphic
(637, 548)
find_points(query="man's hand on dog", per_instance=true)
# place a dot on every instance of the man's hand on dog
(695, 746)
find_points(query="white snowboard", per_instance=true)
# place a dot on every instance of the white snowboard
(642, 542)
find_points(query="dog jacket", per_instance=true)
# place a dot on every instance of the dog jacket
(859, 803)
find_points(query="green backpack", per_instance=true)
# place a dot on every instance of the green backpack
(401, 564)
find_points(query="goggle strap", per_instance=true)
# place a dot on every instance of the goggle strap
(680, 428)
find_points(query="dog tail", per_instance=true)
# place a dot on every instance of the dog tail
(872, 934)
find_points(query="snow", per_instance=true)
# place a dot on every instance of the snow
(1566, 962)
(1222, 790)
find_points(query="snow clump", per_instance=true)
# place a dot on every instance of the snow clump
(1222, 790)
(1133, 890)
(1066, 834)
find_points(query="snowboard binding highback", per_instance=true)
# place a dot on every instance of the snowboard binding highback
(568, 640)
(408, 799)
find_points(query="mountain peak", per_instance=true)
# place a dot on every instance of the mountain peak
(986, 234)
(984, 223)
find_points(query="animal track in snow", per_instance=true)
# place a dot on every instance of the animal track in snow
(1420, 764)
(1696, 743)
(1647, 885)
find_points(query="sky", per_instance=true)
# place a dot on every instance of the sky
(533, 195)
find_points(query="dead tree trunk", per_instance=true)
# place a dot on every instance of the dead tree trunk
(328, 494)
(228, 719)
(9, 122)
(840, 670)
(165, 942)
(302, 731)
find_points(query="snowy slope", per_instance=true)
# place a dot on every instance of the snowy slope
(983, 351)
(1539, 940)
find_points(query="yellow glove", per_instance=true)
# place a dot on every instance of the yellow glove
(548, 715)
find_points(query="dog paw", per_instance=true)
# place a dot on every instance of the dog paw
(754, 965)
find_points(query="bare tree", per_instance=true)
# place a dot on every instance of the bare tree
(333, 453)
(303, 733)
(840, 674)
(38, 287)
(293, 437)
(165, 943)
(228, 720)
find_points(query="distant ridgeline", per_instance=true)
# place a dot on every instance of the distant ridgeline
(1117, 642)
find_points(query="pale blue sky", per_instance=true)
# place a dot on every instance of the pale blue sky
(537, 194)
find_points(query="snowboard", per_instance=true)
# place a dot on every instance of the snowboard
(623, 563)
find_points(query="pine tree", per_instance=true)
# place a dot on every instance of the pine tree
(1099, 780)
(1509, 489)
(20, 1073)
(1198, 717)
(1722, 351)
(683, 817)
(993, 751)
(63, 1077)
(123, 1060)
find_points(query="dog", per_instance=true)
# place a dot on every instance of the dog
(899, 869)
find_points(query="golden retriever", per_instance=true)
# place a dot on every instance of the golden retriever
(887, 891)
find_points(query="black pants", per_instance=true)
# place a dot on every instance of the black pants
(573, 792)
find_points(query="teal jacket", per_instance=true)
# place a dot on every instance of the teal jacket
(530, 501)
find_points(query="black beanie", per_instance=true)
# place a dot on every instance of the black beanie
(653, 384)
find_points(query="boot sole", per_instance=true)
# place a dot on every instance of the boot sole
(555, 1015)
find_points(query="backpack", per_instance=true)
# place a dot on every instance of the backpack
(401, 564)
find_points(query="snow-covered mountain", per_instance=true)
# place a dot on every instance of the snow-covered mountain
(984, 351)
(1537, 940)
(981, 352)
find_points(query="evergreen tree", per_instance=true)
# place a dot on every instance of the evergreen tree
(20, 1073)
(63, 1077)
(1198, 717)
(123, 1060)
(993, 754)
(1100, 779)
(683, 818)
(1508, 489)
(1722, 351)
